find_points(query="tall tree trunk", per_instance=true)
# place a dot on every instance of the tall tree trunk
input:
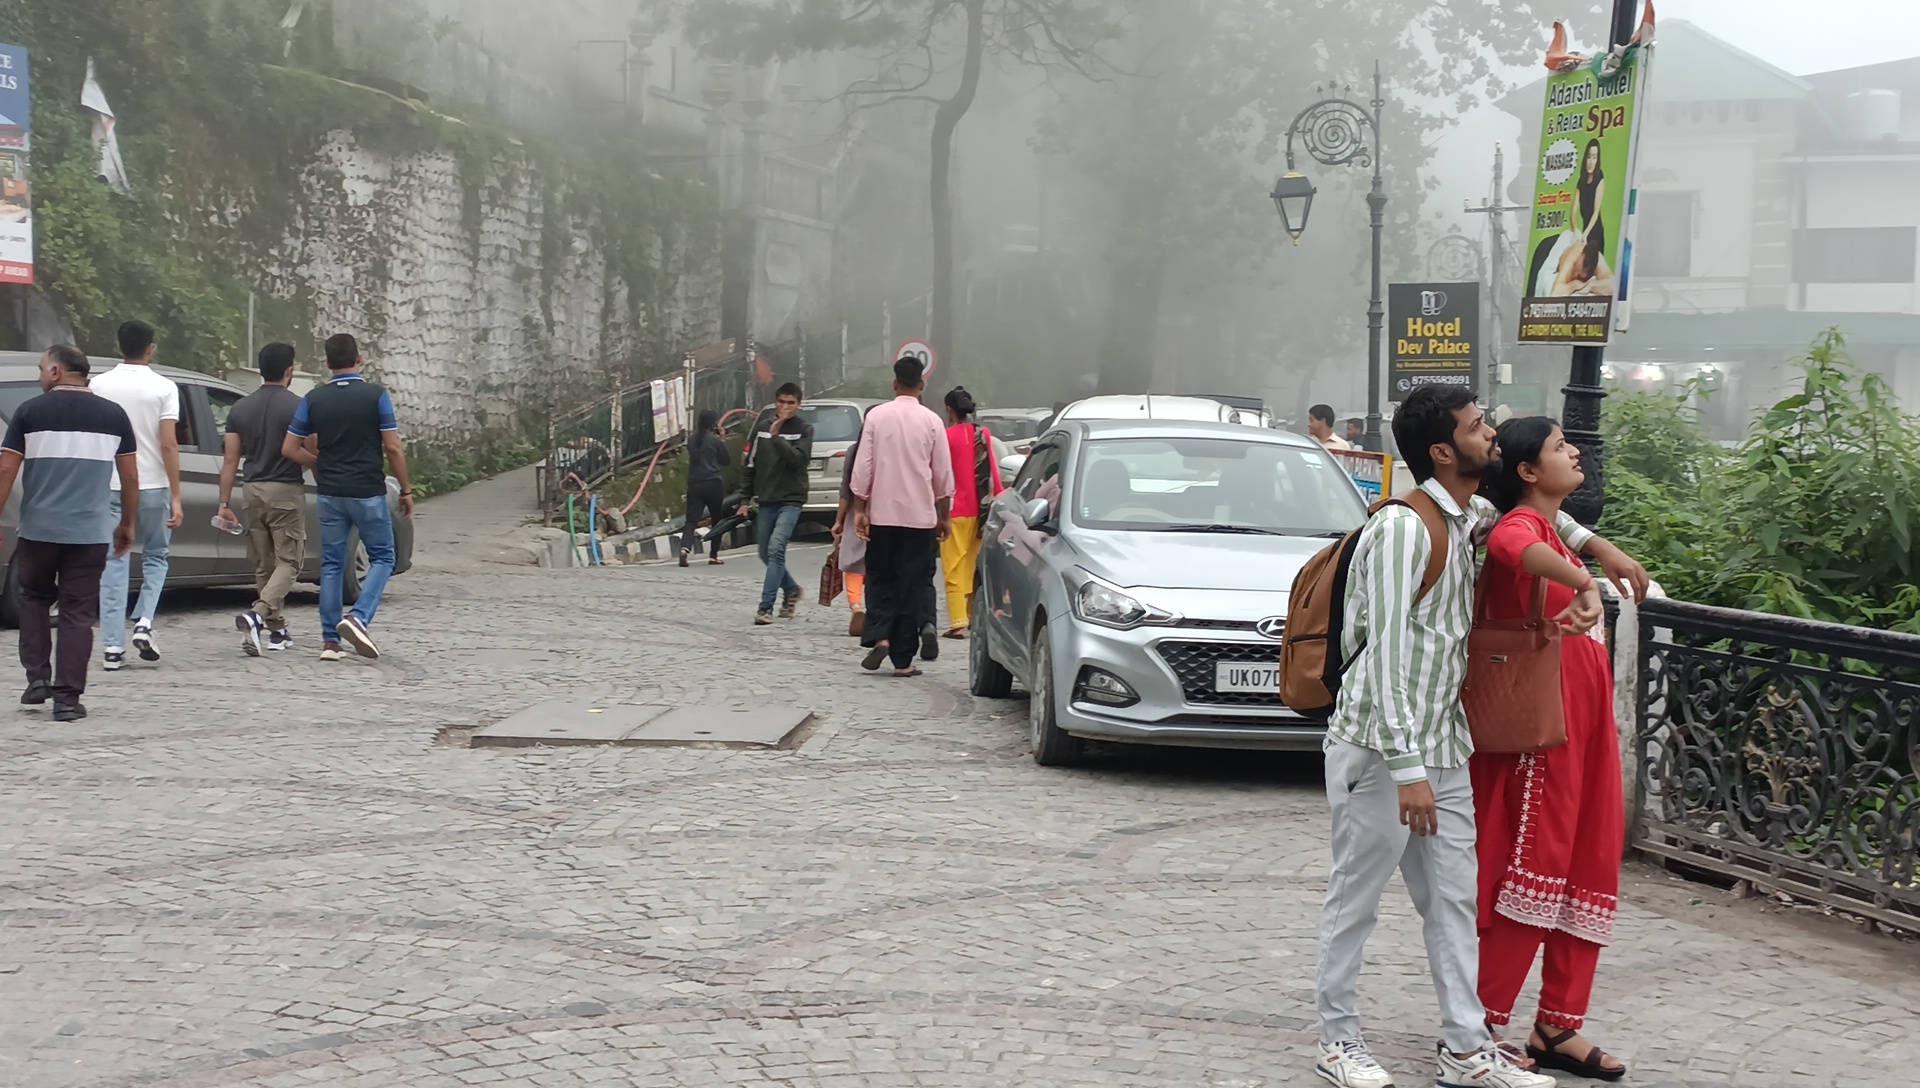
(945, 120)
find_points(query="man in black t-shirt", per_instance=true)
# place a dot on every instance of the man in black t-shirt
(64, 448)
(276, 498)
(343, 430)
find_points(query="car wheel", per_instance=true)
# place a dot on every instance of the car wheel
(986, 677)
(1052, 746)
(356, 573)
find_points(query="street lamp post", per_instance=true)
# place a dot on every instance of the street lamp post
(1335, 132)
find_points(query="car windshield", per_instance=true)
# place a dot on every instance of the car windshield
(14, 394)
(832, 422)
(1219, 485)
(1012, 428)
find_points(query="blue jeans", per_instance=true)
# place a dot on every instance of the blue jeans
(338, 518)
(153, 538)
(777, 521)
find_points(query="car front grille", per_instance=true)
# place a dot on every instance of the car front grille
(1193, 663)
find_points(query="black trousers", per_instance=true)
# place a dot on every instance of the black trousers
(900, 600)
(704, 499)
(67, 574)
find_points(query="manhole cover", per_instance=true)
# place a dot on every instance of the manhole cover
(560, 723)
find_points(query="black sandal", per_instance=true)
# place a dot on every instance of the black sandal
(1589, 1066)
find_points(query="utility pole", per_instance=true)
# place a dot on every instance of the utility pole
(1496, 213)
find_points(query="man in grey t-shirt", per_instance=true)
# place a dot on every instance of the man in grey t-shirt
(63, 447)
(275, 498)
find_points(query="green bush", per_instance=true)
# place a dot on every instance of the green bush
(1812, 515)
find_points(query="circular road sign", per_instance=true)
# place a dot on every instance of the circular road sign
(922, 351)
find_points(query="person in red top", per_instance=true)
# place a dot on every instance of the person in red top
(1549, 825)
(976, 480)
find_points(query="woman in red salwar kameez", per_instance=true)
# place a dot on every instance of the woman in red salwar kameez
(1549, 825)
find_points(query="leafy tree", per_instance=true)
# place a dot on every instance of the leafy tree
(911, 41)
(1816, 514)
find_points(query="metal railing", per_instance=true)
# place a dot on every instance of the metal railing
(591, 443)
(1780, 752)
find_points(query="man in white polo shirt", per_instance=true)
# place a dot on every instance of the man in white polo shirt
(152, 404)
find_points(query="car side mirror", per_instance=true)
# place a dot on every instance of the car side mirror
(1037, 513)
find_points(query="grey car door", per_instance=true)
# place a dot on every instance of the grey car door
(195, 551)
(1014, 587)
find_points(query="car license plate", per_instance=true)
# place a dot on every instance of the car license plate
(1246, 676)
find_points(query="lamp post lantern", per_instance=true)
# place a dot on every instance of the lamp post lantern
(1338, 131)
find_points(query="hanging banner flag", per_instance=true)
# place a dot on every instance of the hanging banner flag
(110, 170)
(1583, 180)
(16, 175)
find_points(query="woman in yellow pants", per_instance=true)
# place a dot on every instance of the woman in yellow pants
(976, 480)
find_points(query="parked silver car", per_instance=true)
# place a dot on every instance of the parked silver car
(1136, 575)
(200, 554)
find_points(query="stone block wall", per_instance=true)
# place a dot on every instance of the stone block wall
(485, 292)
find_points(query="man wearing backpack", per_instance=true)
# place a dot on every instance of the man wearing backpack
(1397, 742)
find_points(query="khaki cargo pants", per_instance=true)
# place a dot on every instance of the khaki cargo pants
(277, 544)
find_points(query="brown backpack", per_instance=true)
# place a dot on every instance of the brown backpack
(1310, 663)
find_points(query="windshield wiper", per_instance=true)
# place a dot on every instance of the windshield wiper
(1220, 529)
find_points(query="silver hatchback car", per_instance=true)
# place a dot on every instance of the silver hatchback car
(1136, 575)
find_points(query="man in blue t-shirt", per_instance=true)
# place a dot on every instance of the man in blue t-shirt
(63, 447)
(343, 430)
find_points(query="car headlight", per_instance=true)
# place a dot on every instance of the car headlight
(1106, 604)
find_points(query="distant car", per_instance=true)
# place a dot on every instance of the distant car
(200, 554)
(1135, 578)
(1018, 427)
(1156, 406)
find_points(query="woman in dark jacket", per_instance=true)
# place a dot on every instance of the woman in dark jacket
(706, 456)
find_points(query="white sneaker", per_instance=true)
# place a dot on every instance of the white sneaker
(1486, 1068)
(143, 641)
(1350, 1065)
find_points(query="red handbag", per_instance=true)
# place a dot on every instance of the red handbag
(832, 581)
(1512, 693)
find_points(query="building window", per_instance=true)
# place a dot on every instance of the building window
(1663, 234)
(1854, 255)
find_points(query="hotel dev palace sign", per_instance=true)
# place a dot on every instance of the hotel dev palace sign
(1434, 336)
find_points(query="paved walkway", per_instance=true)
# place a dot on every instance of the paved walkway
(277, 873)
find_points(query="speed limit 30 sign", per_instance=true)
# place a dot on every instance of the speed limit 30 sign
(921, 350)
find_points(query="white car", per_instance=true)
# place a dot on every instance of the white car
(1158, 407)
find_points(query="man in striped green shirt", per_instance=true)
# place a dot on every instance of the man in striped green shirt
(1397, 746)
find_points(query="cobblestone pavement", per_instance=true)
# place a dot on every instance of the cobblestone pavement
(279, 872)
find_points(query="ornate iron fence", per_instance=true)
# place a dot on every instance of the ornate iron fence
(1781, 752)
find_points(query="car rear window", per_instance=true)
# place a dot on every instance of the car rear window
(14, 394)
(1013, 428)
(832, 422)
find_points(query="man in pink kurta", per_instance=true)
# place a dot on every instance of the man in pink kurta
(902, 500)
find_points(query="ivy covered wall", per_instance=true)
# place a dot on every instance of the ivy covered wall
(489, 274)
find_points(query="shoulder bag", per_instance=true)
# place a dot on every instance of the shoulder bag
(1512, 694)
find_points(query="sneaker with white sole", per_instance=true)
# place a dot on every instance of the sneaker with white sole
(331, 652)
(250, 626)
(280, 640)
(1350, 1064)
(143, 641)
(355, 634)
(114, 659)
(1488, 1067)
(763, 617)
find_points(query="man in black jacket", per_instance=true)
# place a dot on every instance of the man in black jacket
(777, 461)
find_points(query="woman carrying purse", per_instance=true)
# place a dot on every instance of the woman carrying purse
(1549, 823)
